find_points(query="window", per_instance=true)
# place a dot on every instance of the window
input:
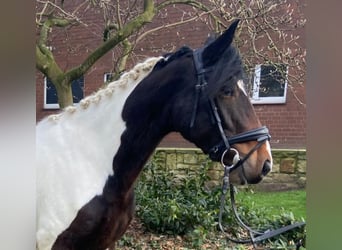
(111, 77)
(50, 93)
(269, 84)
(107, 77)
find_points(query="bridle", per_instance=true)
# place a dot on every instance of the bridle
(218, 152)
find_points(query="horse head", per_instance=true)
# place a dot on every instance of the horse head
(212, 109)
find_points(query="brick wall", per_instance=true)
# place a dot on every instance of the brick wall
(289, 168)
(287, 122)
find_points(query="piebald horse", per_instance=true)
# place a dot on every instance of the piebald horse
(89, 155)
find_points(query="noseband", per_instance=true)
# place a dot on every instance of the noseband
(218, 151)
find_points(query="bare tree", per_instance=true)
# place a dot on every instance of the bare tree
(269, 33)
(126, 23)
(120, 25)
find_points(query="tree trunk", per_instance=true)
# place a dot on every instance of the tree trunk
(64, 94)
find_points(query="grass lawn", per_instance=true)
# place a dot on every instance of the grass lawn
(276, 202)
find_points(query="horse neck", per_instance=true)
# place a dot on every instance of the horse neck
(131, 158)
(147, 119)
(137, 145)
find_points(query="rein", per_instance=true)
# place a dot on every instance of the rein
(254, 235)
(218, 152)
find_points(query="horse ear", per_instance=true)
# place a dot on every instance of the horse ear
(214, 50)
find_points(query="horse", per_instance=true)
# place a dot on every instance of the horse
(90, 155)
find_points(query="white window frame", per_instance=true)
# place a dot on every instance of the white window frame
(256, 99)
(52, 105)
(105, 77)
(48, 105)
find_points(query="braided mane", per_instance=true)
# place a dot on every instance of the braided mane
(128, 79)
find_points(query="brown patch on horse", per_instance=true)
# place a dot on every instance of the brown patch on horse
(98, 225)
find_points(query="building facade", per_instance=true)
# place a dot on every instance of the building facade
(285, 116)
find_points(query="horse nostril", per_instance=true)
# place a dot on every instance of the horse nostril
(267, 167)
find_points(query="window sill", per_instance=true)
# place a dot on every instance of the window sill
(268, 101)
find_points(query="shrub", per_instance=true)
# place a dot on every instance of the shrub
(175, 204)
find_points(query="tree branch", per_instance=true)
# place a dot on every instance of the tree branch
(123, 33)
(168, 26)
(47, 65)
(194, 3)
(45, 29)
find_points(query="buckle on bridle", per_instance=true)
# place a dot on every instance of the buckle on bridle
(235, 160)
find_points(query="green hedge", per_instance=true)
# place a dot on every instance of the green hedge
(173, 204)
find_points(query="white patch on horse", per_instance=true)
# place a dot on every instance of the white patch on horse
(74, 153)
(241, 85)
(268, 148)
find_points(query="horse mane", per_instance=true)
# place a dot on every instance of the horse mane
(133, 77)
(169, 57)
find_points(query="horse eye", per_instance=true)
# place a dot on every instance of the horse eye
(227, 91)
